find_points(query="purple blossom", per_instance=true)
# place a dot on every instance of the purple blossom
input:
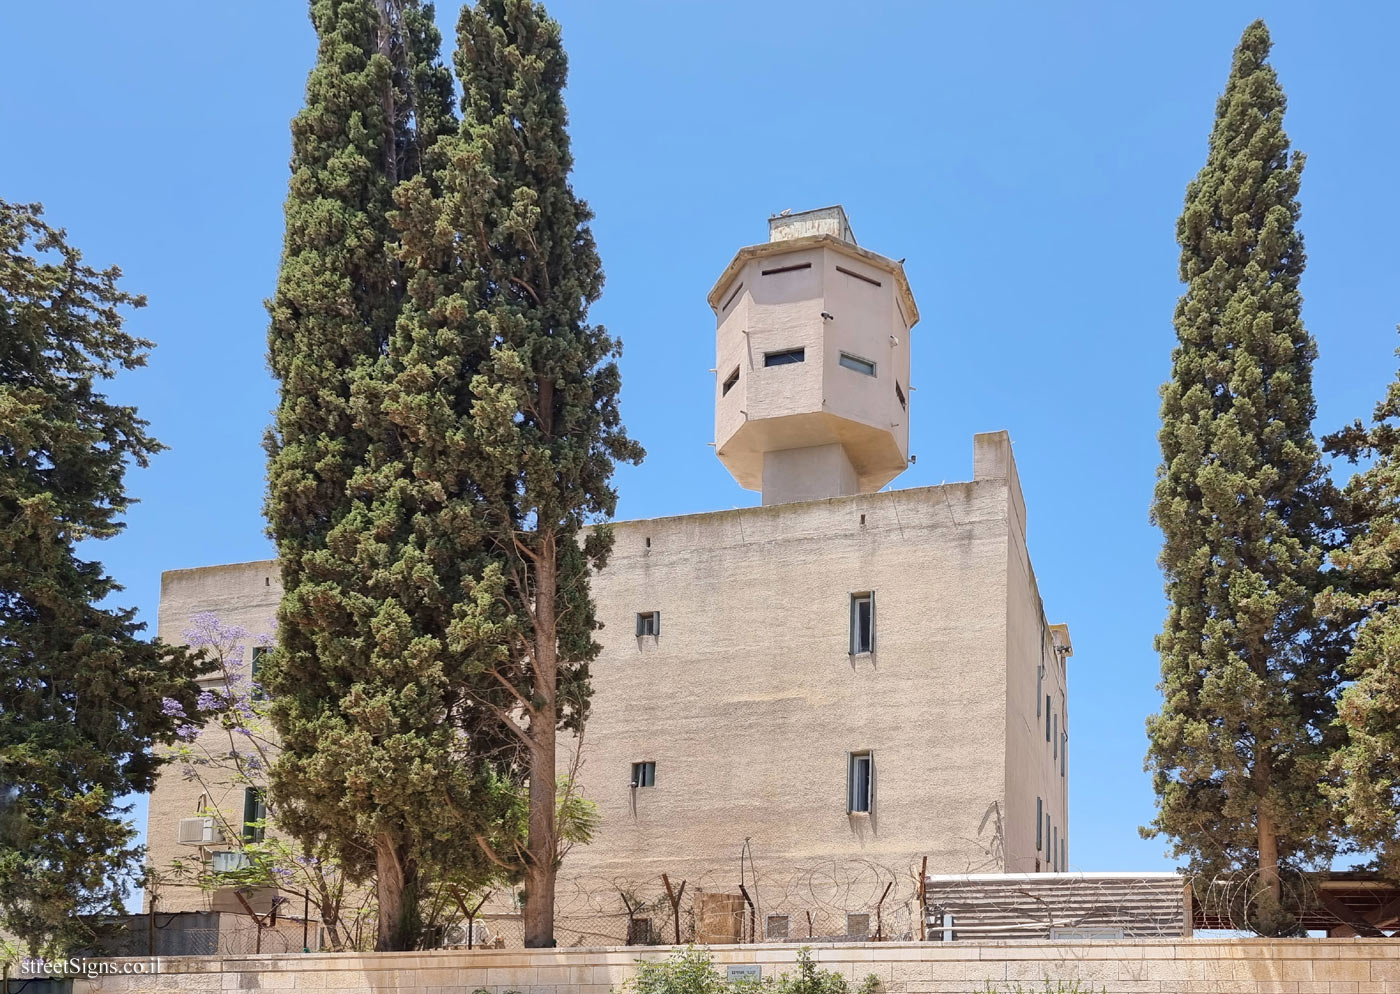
(209, 701)
(171, 708)
(188, 732)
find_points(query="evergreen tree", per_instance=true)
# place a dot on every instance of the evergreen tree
(361, 708)
(1248, 674)
(533, 388)
(83, 698)
(1367, 590)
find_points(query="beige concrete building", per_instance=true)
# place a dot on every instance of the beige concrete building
(843, 673)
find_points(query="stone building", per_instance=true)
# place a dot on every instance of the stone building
(843, 674)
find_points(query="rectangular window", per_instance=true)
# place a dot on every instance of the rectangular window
(1055, 848)
(857, 363)
(857, 925)
(729, 381)
(786, 269)
(784, 357)
(862, 623)
(254, 814)
(1064, 751)
(1039, 825)
(860, 783)
(777, 927)
(1046, 824)
(259, 652)
(1039, 687)
(899, 395)
(1055, 739)
(648, 623)
(1064, 853)
(1047, 717)
(644, 774)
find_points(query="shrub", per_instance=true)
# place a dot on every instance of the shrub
(691, 971)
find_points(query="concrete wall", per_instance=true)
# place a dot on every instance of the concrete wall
(1199, 966)
(749, 702)
(244, 594)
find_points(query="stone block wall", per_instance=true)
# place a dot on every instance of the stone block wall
(1166, 966)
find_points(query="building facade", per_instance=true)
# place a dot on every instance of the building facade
(843, 673)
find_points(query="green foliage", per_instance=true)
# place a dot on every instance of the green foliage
(1366, 590)
(691, 971)
(370, 701)
(1248, 670)
(83, 698)
(500, 417)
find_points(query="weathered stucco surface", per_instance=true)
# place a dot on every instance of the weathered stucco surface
(749, 700)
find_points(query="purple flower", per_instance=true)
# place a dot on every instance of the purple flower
(171, 708)
(188, 732)
(209, 701)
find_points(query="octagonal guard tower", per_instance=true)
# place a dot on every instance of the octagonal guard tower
(812, 362)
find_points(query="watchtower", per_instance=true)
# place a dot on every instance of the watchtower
(812, 373)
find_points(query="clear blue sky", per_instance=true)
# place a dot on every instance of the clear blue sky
(1028, 159)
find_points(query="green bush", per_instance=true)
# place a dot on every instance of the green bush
(692, 971)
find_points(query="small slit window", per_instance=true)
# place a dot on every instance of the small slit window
(786, 269)
(648, 623)
(899, 395)
(862, 623)
(644, 774)
(860, 783)
(784, 357)
(860, 276)
(729, 382)
(857, 363)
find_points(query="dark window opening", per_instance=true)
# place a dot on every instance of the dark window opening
(859, 276)
(787, 269)
(648, 623)
(899, 394)
(784, 357)
(729, 382)
(254, 815)
(732, 296)
(857, 363)
(644, 774)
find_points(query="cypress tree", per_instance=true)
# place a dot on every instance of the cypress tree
(540, 430)
(1248, 675)
(1366, 591)
(359, 710)
(83, 698)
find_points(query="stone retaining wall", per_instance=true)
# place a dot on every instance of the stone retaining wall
(1166, 966)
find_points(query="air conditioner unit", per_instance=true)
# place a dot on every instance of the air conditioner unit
(199, 832)
(228, 862)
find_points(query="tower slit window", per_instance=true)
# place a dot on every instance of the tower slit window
(784, 357)
(860, 782)
(862, 623)
(857, 363)
(729, 381)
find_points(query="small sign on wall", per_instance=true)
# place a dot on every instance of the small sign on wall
(743, 971)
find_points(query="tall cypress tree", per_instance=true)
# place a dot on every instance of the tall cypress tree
(358, 709)
(1366, 591)
(83, 698)
(1248, 675)
(540, 430)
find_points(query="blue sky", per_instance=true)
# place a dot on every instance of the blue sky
(1028, 159)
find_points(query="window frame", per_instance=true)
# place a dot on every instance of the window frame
(899, 396)
(254, 813)
(857, 364)
(730, 382)
(1039, 824)
(855, 646)
(800, 351)
(643, 774)
(855, 756)
(647, 619)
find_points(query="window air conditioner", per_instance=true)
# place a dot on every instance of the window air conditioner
(199, 832)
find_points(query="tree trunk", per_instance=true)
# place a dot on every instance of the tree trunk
(398, 895)
(541, 847)
(1269, 882)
